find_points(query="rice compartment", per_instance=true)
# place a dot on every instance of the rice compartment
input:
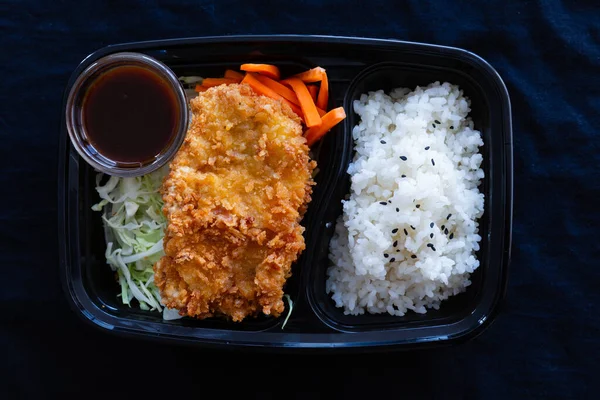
(409, 230)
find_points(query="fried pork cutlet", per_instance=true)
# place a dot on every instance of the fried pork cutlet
(234, 198)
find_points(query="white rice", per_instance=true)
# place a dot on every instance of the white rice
(369, 273)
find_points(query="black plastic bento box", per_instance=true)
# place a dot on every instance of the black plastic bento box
(354, 66)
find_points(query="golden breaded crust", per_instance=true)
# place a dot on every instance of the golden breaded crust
(234, 200)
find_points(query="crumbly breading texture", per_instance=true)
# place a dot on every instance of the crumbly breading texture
(234, 198)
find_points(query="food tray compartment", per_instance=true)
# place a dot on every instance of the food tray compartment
(487, 113)
(93, 281)
(314, 323)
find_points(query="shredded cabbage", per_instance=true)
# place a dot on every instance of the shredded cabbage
(134, 224)
(290, 308)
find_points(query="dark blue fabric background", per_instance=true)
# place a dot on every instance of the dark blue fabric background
(545, 344)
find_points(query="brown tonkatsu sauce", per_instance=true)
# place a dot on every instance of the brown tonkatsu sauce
(130, 114)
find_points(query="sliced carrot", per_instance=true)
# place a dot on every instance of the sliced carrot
(284, 91)
(200, 88)
(313, 89)
(278, 88)
(309, 109)
(210, 82)
(323, 99)
(317, 74)
(331, 119)
(312, 75)
(259, 88)
(231, 74)
(264, 69)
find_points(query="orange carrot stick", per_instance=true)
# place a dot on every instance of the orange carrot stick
(200, 88)
(323, 98)
(313, 89)
(312, 75)
(259, 88)
(309, 109)
(331, 119)
(210, 82)
(278, 88)
(231, 74)
(265, 69)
